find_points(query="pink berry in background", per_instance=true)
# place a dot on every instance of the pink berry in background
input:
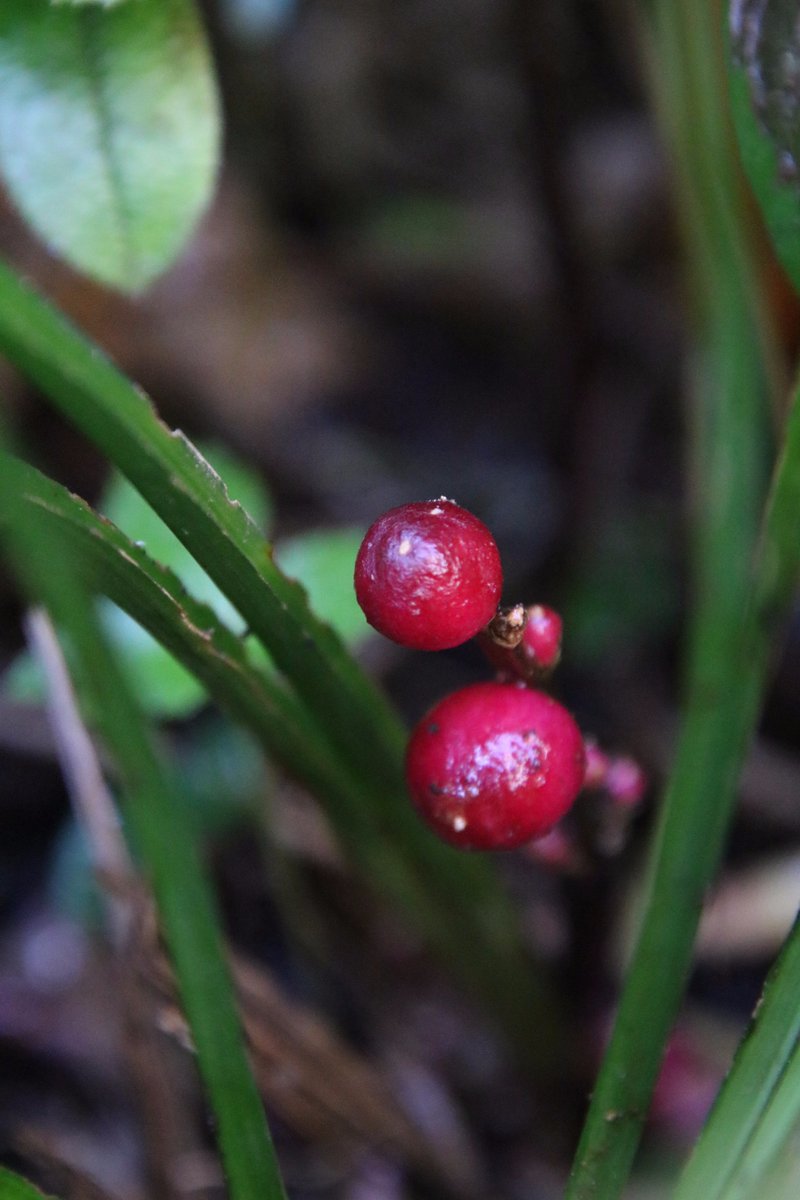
(541, 641)
(625, 781)
(597, 764)
(428, 575)
(494, 765)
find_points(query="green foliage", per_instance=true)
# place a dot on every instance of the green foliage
(739, 598)
(109, 130)
(758, 1108)
(81, 3)
(14, 1187)
(764, 45)
(163, 837)
(323, 562)
(626, 588)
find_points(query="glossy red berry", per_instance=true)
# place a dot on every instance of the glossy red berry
(494, 765)
(541, 641)
(428, 575)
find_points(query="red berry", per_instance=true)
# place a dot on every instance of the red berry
(494, 765)
(428, 575)
(541, 641)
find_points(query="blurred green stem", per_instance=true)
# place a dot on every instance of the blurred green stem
(736, 611)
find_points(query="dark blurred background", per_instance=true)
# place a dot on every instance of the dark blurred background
(441, 260)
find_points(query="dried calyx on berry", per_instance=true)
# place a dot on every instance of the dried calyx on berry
(495, 765)
(428, 575)
(524, 643)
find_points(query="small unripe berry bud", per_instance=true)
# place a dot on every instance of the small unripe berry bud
(597, 764)
(541, 641)
(625, 781)
(428, 576)
(494, 765)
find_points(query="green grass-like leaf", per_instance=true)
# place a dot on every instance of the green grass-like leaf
(192, 500)
(736, 610)
(476, 930)
(163, 838)
(109, 130)
(192, 632)
(759, 1104)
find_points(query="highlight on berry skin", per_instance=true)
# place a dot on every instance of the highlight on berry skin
(495, 765)
(428, 575)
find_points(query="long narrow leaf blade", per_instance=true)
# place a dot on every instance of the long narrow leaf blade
(760, 1099)
(190, 497)
(729, 632)
(150, 593)
(160, 829)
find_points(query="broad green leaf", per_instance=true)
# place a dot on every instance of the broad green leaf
(765, 100)
(14, 1187)
(109, 130)
(323, 562)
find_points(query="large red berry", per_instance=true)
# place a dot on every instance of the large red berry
(428, 575)
(494, 765)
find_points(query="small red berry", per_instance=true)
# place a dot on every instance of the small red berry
(541, 641)
(494, 765)
(428, 575)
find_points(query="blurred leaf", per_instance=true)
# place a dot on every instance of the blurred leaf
(71, 884)
(81, 3)
(625, 590)
(23, 680)
(221, 782)
(163, 687)
(222, 776)
(765, 101)
(323, 562)
(14, 1187)
(257, 19)
(109, 130)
